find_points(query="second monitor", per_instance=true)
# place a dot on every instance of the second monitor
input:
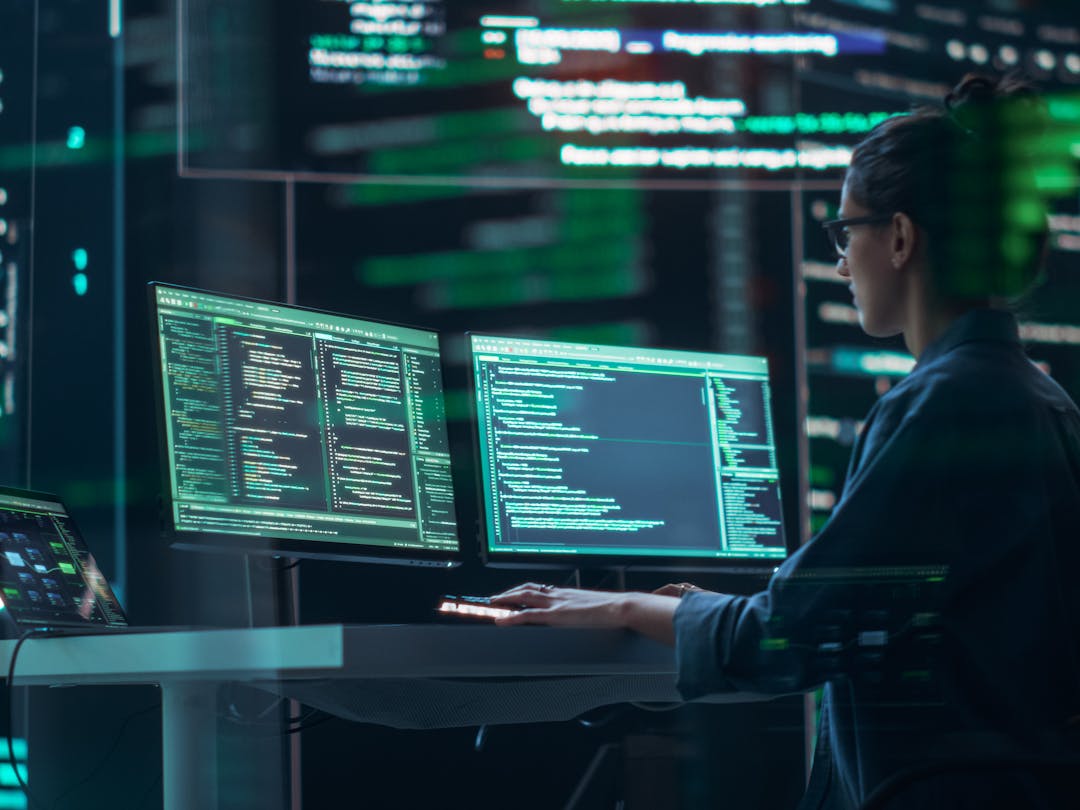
(625, 454)
(293, 431)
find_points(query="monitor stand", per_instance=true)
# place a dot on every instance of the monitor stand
(599, 579)
(284, 588)
(287, 586)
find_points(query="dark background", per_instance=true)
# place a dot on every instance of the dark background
(735, 263)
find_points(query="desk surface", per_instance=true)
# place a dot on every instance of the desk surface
(405, 676)
(337, 651)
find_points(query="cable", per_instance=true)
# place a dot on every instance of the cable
(31, 798)
(278, 563)
(620, 709)
(234, 714)
(239, 718)
(658, 707)
(602, 721)
(326, 716)
(112, 749)
(298, 724)
(294, 724)
(149, 790)
(36, 631)
(268, 709)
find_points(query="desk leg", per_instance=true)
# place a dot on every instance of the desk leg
(189, 745)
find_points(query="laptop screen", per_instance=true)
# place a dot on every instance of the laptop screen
(47, 575)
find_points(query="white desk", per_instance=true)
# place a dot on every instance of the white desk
(407, 676)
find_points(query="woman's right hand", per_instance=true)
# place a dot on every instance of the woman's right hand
(647, 613)
(679, 589)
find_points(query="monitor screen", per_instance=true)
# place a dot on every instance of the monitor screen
(293, 431)
(628, 454)
(535, 92)
(48, 578)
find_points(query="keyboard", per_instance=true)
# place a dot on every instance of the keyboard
(472, 607)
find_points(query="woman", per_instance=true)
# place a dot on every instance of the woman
(968, 468)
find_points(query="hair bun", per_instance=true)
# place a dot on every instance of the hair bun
(974, 89)
(974, 99)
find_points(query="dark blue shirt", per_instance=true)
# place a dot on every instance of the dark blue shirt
(938, 605)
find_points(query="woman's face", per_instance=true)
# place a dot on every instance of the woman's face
(875, 282)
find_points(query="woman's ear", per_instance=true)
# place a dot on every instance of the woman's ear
(904, 236)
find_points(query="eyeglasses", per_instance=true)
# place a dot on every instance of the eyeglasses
(839, 234)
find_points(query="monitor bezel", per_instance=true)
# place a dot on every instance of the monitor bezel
(189, 540)
(753, 566)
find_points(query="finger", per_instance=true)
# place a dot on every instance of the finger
(525, 598)
(526, 616)
(521, 592)
(512, 596)
(670, 589)
(511, 592)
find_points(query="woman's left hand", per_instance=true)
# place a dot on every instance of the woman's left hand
(679, 589)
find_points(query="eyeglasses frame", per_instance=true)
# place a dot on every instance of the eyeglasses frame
(833, 226)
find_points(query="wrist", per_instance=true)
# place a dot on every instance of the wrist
(649, 614)
(626, 608)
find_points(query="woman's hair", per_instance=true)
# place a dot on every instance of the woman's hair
(964, 174)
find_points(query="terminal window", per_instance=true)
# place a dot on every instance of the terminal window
(300, 425)
(623, 451)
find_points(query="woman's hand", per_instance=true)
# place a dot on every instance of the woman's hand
(568, 607)
(646, 613)
(679, 589)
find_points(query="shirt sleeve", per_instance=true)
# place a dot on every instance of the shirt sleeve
(792, 636)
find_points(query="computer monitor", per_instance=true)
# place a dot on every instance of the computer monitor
(295, 432)
(625, 456)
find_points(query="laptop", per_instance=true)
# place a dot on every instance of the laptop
(48, 578)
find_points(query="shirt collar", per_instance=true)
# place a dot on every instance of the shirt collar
(976, 325)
